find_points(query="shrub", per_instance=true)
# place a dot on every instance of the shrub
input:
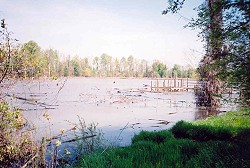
(17, 148)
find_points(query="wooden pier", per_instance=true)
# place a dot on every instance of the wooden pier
(173, 84)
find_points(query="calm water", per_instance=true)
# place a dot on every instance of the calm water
(111, 103)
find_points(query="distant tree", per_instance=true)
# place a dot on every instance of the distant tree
(176, 71)
(65, 71)
(143, 68)
(60, 68)
(87, 72)
(105, 64)
(85, 67)
(32, 55)
(124, 67)
(160, 69)
(191, 72)
(96, 64)
(117, 67)
(76, 66)
(130, 62)
(50, 62)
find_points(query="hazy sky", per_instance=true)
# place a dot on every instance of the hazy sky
(119, 28)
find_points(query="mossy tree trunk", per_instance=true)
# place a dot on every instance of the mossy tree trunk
(208, 71)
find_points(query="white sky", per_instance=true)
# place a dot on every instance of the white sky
(119, 28)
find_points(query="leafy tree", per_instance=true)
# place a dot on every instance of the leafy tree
(65, 71)
(130, 62)
(224, 25)
(17, 147)
(96, 65)
(117, 67)
(235, 66)
(191, 73)
(124, 67)
(32, 57)
(60, 68)
(11, 57)
(76, 66)
(143, 68)
(159, 68)
(50, 62)
(176, 71)
(106, 64)
(86, 69)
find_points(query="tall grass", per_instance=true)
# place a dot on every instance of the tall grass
(217, 142)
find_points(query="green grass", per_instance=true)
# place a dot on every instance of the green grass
(235, 121)
(221, 141)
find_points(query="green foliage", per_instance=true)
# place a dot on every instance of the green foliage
(224, 26)
(76, 68)
(176, 71)
(10, 59)
(174, 6)
(65, 71)
(31, 55)
(16, 145)
(160, 69)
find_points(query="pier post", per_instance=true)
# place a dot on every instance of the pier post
(151, 86)
(157, 85)
(164, 86)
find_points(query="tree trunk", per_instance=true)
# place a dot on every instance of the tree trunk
(211, 84)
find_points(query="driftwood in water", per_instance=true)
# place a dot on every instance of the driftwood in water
(33, 102)
(71, 140)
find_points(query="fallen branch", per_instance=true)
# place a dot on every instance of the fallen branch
(33, 102)
(30, 161)
(75, 139)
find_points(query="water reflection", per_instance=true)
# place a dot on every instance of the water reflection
(202, 113)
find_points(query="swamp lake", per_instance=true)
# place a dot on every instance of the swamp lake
(120, 107)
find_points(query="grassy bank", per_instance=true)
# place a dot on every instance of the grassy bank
(222, 141)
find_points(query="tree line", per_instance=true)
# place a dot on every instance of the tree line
(29, 60)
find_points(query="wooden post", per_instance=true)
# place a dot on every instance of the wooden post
(164, 86)
(187, 84)
(157, 85)
(182, 85)
(151, 86)
(170, 82)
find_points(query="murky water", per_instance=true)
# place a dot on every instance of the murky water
(121, 107)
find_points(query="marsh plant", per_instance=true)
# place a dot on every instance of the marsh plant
(88, 137)
(17, 147)
(66, 147)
